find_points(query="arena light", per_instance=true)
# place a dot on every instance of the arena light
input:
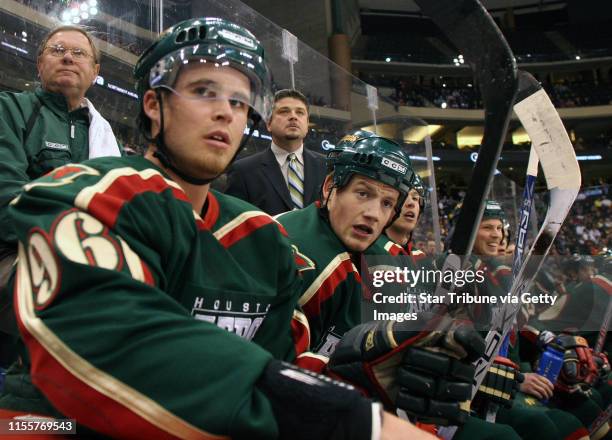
(469, 136)
(417, 133)
(520, 136)
(424, 158)
(590, 157)
(79, 10)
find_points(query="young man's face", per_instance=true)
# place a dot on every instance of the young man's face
(359, 211)
(289, 122)
(407, 220)
(489, 235)
(501, 248)
(67, 74)
(203, 134)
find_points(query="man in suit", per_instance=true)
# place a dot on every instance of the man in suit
(286, 176)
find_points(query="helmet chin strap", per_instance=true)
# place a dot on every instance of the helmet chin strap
(164, 155)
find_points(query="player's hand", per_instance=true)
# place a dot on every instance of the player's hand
(544, 338)
(500, 384)
(579, 371)
(537, 386)
(394, 428)
(422, 367)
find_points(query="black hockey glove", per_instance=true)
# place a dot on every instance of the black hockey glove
(426, 372)
(499, 386)
(309, 406)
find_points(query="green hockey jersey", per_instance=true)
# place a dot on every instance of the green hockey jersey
(331, 298)
(137, 313)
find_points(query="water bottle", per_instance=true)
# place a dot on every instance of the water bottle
(551, 363)
(503, 350)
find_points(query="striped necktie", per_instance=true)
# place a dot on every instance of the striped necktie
(295, 181)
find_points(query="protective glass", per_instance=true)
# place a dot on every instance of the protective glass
(166, 72)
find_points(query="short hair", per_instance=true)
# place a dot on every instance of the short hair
(70, 28)
(291, 93)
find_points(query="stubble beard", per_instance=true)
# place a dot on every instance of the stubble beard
(292, 137)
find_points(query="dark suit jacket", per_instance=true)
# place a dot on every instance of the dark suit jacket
(258, 180)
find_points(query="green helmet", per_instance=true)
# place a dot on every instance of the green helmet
(494, 210)
(365, 153)
(213, 40)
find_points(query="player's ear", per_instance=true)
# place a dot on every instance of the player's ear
(327, 187)
(150, 107)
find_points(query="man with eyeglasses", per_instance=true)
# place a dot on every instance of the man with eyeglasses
(47, 128)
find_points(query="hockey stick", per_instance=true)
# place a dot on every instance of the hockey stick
(601, 340)
(603, 330)
(526, 206)
(601, 420)
(562, 173)
(472, 30)
(526, 88)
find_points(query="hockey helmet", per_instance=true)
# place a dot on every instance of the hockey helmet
(215, 41)
(381, 159)
(493, 210)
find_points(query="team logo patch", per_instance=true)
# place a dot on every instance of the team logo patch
(302, 261)
(394, 165)
(56, 146)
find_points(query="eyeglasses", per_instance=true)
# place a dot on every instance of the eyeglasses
(57, 50)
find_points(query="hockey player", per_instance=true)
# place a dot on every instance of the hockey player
(138, 317)
(582, 387)
(369, 179)
(400, 231)
(528, 417)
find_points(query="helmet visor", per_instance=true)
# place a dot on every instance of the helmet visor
(201, 60)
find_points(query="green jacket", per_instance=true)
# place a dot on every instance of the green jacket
(57, 137)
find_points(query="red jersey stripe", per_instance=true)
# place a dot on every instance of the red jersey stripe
(106, 198)
(334, 274)
(212, 213)
(300, 331)
(311, 362)
(242, 226)
(603, 282)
